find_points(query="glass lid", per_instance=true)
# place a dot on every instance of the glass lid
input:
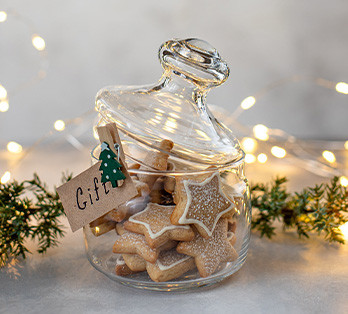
(175, 108)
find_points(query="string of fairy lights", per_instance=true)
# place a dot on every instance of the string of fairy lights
(265, 140)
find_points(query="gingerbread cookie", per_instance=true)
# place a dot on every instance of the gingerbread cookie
(170, 265)
(121, 269)
(134, 243)
(169, 181)
(200, 201)
(154, 223)
(156, 160)
(101, 226)
(209, 253)
(135, 262)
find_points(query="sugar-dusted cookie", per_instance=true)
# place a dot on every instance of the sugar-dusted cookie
(156, 160)
(135, 262)
(209, 253)
(169, 265)
(200, 201)
(133, 243)
(154, 223)
(121, 268)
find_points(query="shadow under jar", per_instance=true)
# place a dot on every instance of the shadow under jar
(189, 225)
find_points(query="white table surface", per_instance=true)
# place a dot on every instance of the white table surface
(282, 275)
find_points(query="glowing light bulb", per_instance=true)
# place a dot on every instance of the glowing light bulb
(5, 177)
(97, 229)
(278, 152)
(59, 125)
(38, 42)
(248, 144)
(14, 147)
(344, 181)
(261, 132)
(250, 158)
(344, 230)
(248, 102)
(3, 92)
(346, 145)
(342, 88)
(4, 105)
(3, 16)
(329, 156)
(262, 158)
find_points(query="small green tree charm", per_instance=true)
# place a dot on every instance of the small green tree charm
(110, 166)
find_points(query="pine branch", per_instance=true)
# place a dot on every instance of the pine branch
(24, 219)
(320, 209)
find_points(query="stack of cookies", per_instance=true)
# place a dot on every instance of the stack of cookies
(177, 224)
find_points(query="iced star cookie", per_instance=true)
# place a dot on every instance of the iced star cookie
(200, 201)
(121, 268)
(134, 262)
(133, 243)
(209, 253)
(169, 265)
(154, 223)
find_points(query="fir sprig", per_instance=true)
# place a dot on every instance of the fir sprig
(23, 218)
(320, 209)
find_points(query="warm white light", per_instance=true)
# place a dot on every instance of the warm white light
(249, 144)
(4, 105)
(344, 230)
(14, 147)
(3, 92)
(278, 152)
(329, 156)
(346, 145)
(3, 16)
(38, 42)
(250, 158)
(248, 102)
(262, 158)
(342, 87)
(97, 229)
(344, 181)
(5, 177)
(261, 132)
(59, 125)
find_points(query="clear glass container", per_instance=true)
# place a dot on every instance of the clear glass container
(189, 171)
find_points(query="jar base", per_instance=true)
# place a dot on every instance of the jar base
(105, 263)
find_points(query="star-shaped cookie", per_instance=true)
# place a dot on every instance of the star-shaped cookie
(200, 201)
(209, 253)
(154, 223)
(134, 243)
(170, 265)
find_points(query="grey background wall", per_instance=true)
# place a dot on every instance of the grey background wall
(92, 44)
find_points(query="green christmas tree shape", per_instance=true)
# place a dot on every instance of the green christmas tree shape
(110, 166)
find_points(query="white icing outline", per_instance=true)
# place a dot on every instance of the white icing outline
(159, 233)
(184, 220)
(162, 267)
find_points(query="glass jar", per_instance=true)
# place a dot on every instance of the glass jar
(192, 213)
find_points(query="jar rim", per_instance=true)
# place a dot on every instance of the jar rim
(151, 171)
